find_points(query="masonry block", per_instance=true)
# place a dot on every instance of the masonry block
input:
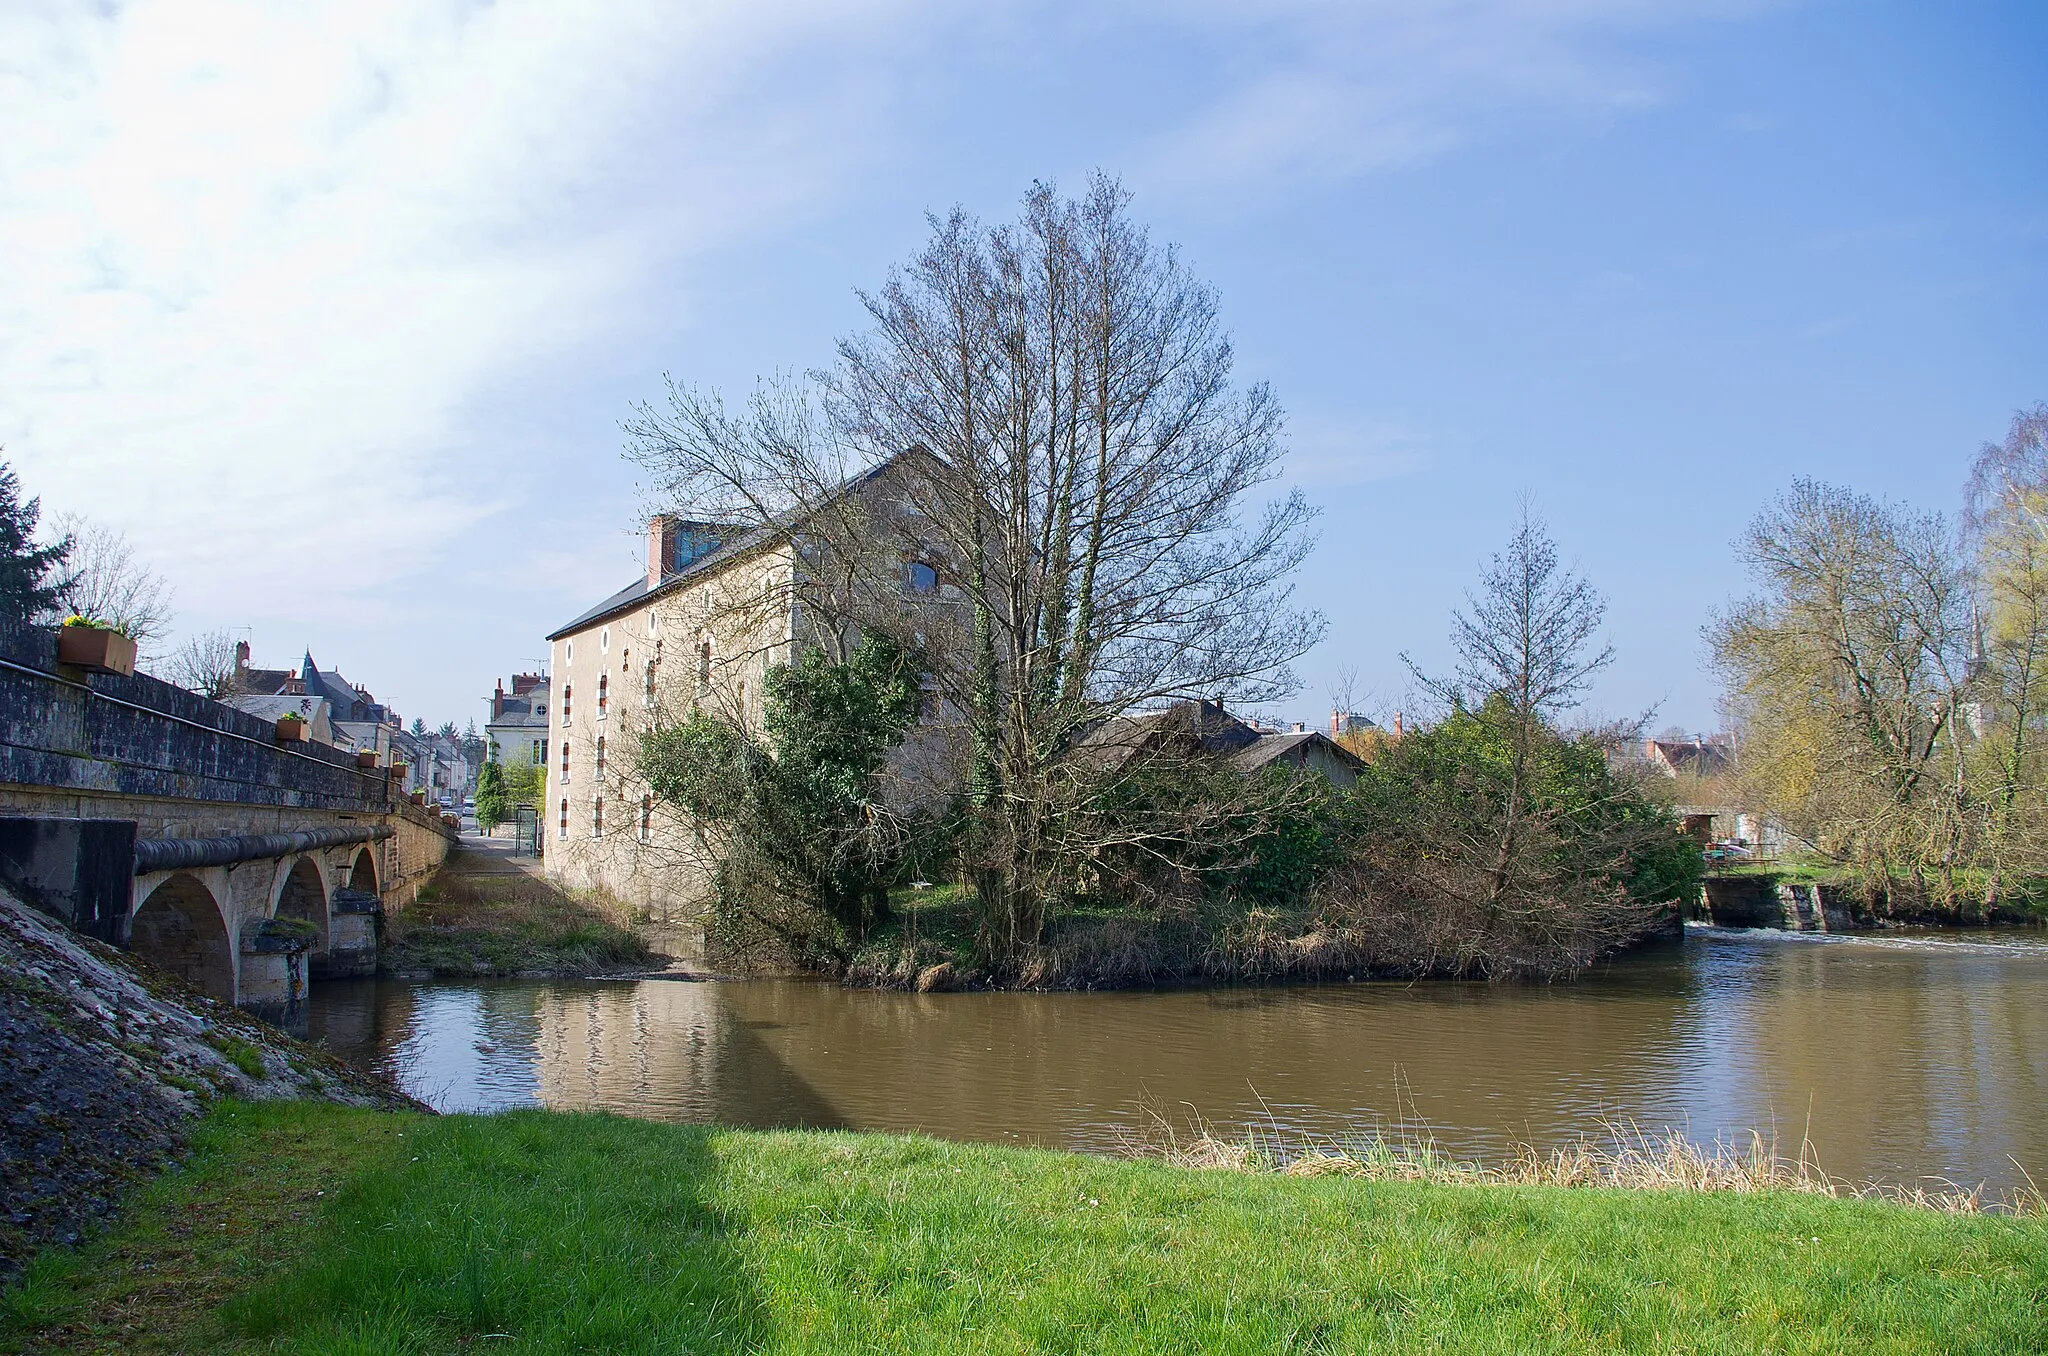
(80, 871)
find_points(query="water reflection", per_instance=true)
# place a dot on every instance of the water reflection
(1895, 1058)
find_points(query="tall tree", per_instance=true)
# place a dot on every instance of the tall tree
(105, 581)
(30, 575)
(1082, 489)
(1527, 651)
(2007, 517)
(207, 663)
(1850, 672)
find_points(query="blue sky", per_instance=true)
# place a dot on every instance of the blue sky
(336, 315)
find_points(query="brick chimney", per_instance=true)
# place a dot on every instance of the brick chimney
(498, 700)
(661, 547)
(241, 656)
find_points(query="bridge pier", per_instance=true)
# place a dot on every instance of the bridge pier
(271, 981)
(354, 917)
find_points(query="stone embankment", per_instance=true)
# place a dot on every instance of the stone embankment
(103, 1061)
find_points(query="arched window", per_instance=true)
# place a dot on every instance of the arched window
(565, 817)
(565, 760)
(600, 757)
(604, 683)
(604, 641)
(647, 694)
(704, 667)
(566, 690)
(918, 577)
(646, 818)
(597, 817)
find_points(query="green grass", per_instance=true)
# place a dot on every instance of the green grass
(467, 926)
(313, 1228)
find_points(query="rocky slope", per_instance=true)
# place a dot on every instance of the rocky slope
(103, 1059)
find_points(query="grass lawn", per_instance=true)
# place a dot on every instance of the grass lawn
(474, 925)
(311, 1228)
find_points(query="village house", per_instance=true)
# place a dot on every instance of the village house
(517, 730)
(715, 609)
(1195, 728)
(347, 716)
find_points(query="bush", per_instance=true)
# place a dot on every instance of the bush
(1440, 879)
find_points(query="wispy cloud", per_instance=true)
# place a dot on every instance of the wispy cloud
(263, 261)
(1332, 454)
(1324, 90)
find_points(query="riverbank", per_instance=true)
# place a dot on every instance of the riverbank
(478, 918)
(928, 944)
(299, 1226)
(104, 1063)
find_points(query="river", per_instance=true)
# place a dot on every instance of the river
(1897, 1057)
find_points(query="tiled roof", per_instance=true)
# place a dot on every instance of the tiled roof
(745, 543)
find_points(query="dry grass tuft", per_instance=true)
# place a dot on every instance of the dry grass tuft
(1623, 1155)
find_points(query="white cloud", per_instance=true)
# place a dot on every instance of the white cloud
(1330, 454)
(262, 259)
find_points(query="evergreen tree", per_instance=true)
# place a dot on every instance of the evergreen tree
(30, 575)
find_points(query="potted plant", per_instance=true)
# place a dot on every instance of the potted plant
(291, 728)
(95, 646)
(366, 759)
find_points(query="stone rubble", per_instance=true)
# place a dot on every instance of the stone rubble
(104, 1060)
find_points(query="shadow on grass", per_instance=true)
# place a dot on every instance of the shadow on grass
(541, 1232)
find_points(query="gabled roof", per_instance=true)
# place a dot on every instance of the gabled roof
(746, 541)
(1190, 725)
(1295, 745)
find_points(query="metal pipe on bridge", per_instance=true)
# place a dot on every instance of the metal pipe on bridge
(173, 854)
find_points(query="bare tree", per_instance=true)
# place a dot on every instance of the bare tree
(1525, 647)
(105, 581)
(206, 664)
(1851, 673)
(1077, 494)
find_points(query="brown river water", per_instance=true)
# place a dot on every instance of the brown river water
(1897, 1057)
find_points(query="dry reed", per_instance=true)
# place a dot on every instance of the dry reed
(1623, 1155)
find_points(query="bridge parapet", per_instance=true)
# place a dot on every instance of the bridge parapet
(153, 818)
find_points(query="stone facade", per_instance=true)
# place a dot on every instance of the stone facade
(714, 612)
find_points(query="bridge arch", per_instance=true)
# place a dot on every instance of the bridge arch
(363, 875)
(180, 927)
(302, 894)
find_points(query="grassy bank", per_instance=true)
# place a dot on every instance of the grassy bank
(305, 1228)
(467, 925)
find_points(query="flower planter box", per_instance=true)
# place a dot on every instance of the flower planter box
(366, 759)
(291, 731)
(419, 798)
(96, 650)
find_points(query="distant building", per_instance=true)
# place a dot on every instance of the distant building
(315, 711)
(1698, 757)
(346, 701)
(517, 730)
(1189, 728)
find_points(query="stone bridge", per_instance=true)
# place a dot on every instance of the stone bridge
(182, 829)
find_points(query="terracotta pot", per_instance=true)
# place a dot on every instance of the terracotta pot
(96, 650)
(291, 731)
(366, 759)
